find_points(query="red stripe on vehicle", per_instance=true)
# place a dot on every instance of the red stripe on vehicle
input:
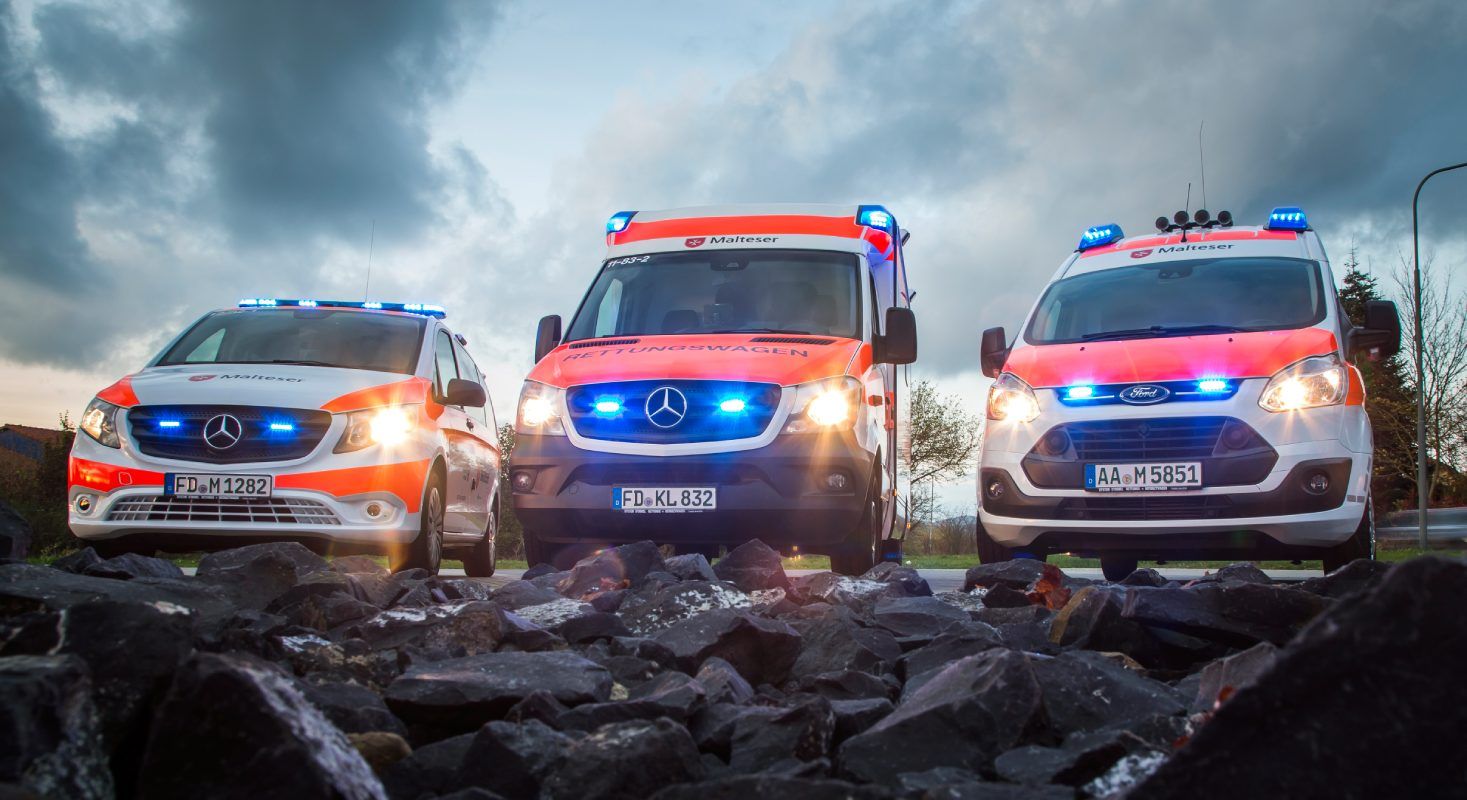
(1192, 238)
(406, 480)
(769, 224)
(120, 393)
(106, 477)
(412, 390)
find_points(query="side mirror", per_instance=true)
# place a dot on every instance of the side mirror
(993, 352)
(469, 394)
(547, 337)
(898, 345)
(1381, 337)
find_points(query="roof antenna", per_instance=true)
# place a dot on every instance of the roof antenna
(371, 245)
(1186, 212)
(1201, 160)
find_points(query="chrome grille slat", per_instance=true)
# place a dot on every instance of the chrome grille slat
(254, 511)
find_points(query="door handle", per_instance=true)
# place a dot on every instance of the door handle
(471, 423)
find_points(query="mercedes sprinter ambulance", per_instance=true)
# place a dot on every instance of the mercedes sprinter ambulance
(351, 427)
(729, 376)
(1184, 394)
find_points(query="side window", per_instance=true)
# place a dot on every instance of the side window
(609, 312)
(446, 369)
(470, 371)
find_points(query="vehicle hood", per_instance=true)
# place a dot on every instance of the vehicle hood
(1176, 358)
(734, 357)
(278, 385)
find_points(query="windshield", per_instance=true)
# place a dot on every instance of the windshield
(723, 291)
(1180, 298)
(314, 337)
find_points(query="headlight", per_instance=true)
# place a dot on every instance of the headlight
(1010, 399)
(539, 411)
(823, 405)
(1313, 382)
(388, 427)
(99, 421)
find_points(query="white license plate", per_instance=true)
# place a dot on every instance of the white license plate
(664, 499)
(222, 486)
(1158, 477)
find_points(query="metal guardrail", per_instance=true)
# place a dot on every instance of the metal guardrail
(1443, 525)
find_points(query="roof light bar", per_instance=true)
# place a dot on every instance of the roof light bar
(1099, 236)
(1287, 218)
(875, 217)
(619, 221)
(425, 309)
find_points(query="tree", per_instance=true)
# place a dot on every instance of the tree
(942, 438)
(1444, 362)
(510, 542)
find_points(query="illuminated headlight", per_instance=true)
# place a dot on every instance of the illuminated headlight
(539, 411)
(1313, 382)
(99, 421)
(388, 427)
(823, 405)
(1010, 399)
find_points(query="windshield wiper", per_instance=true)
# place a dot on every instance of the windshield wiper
(1160, 330)
(294, 361)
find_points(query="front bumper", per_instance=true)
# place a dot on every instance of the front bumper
(774, 493)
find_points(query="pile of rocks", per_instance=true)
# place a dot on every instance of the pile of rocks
(275, 673)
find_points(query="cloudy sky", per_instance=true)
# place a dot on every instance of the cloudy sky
(159, 160)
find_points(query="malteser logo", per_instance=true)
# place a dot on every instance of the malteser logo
(1140, 253)
(695, 242)
(201, 377)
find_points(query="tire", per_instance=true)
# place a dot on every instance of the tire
(859, 553)
(426, 549)
(1117, 568)
(1361, 544)
(479, 559)
(989, 551)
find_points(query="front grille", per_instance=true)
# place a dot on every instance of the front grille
(266, 434)
(665, 474)
(266, 510)
(702, 418)
(1145, 439)
(1155, 507)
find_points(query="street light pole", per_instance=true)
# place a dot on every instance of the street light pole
(1421, 483)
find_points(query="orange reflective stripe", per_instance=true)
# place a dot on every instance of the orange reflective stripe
(406, 480)
(106, 477)
(1355, 395)
(120, 393)
(790, 224)
(1195, 237)
(412, 390)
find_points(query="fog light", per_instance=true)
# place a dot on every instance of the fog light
(522, 480)
(1236, 437)
(994, 489)
(84, 504)
(374, 510)
(1316, 483)
(837, 481)
(1056, 442)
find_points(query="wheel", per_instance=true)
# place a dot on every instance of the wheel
(1361, 544)
(426, 550)
(989, 551)
(1117, 568)
(479, 560)
(858, 554)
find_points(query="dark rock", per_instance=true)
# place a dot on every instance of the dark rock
(251, 560)
(53, 740)
(539, 706)
(463, 693)
(975, 709)
(1244, 572)
(903, 580)
(627, 760)
(353, 708)
(837, 641)
(690, 567)
(673, 693)
(378, 588)
(999, 791)
(743, 787)
(537, 571)
(857, 716)
(847, 684)
(804, 732)
(1237, 614)
(513, 759)
(458, 629)
(762, 650)
(593, 627)
(356, 565)
(1031, 637)
(254, 716)
(1082, 759)
(1391, 655)
(917, 783)
(610, 569)
(380, 749)
(467, 588)
(722, 683)
(1092, 620)
(609, 602)
(1085, 691)
(472, 793)
(752, 566)
(15, 534)
(1221, 678)
(975, 637)
(840, 590)
(1018, 574)
(1145, 576)
(78, 561)
(431, 771)
(1006, 597)
(1012, 616)
(651, 612)
(28, 587)
(551, 616)
(917, 620)
(713, 726)
(518, 594)
(132, 565)
(1355, 576)
(591, 716)
(639, 647)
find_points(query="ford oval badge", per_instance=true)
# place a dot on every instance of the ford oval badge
(1144, 394)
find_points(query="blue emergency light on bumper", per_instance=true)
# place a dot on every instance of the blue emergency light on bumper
(1099, 236)
(1287, 218)
(1084, 394)
(425, 309)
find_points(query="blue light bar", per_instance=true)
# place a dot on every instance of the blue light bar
(733, 405)
(1287, 218)
(1099, 236)
(1080, 393)
(282, 427)
(425, 309)
(1213, 386)
(875, 217)
(619, 221)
